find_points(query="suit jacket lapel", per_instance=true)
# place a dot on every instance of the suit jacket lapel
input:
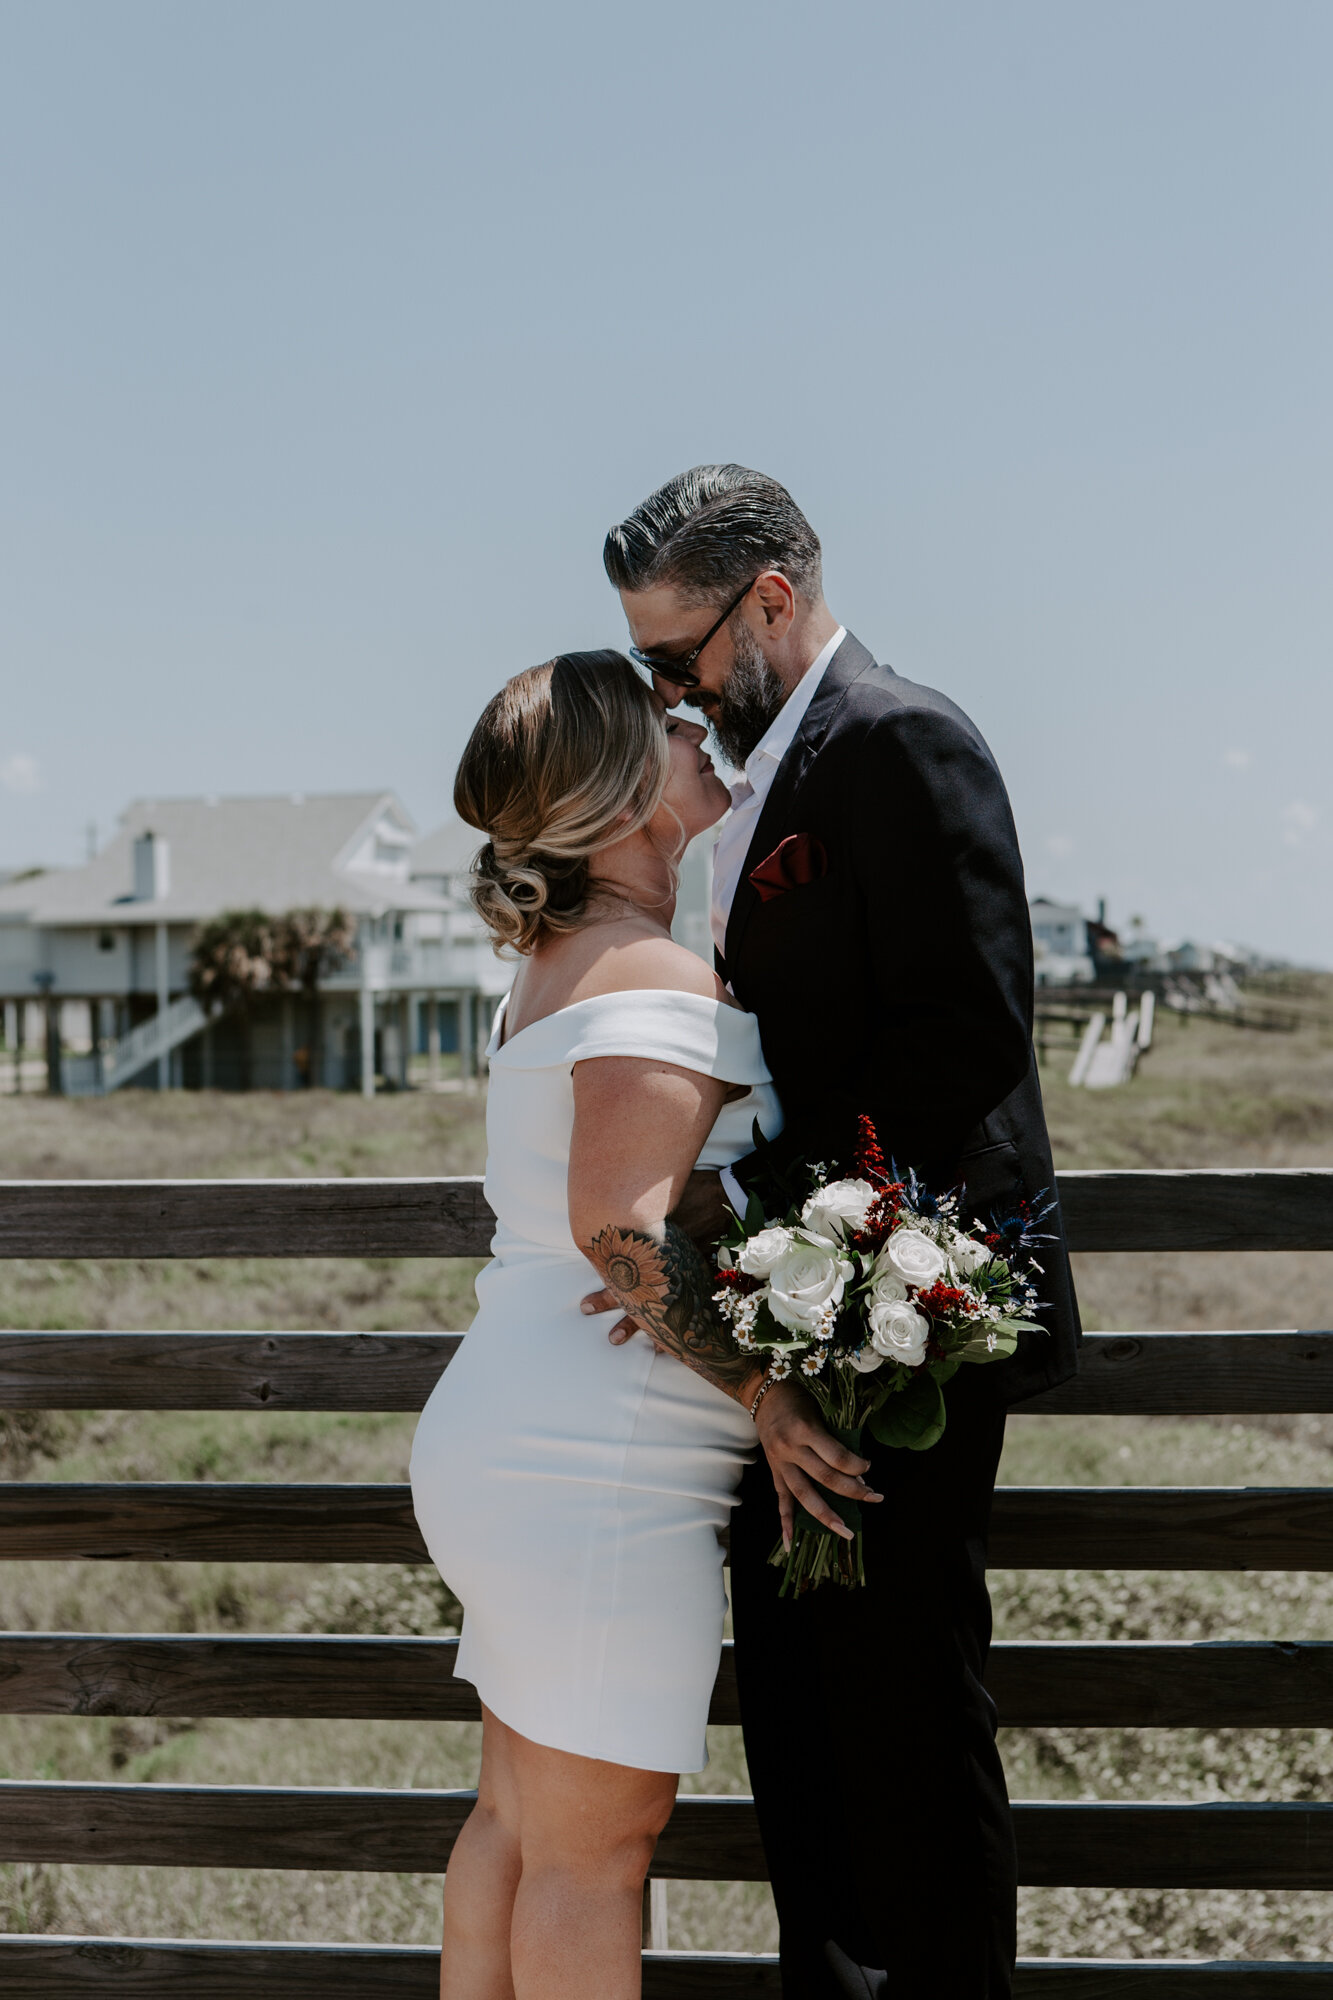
(850, 660)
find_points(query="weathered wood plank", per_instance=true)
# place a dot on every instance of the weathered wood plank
(255, 1826)
(38, 1968)
(1162, 1527)
(1162, 1685)
(1287, 1208)
(1150, 1846)
(712, 1839)
(1200, 1374)
(1046, 1683)
(1229, 1374)
(42, 1968)
(58, 1968)
(204, 1522)
(391, 1679)
(1232, 1208)
(1172, 1979)
(221, 1371)
(1034, 1527)
(369, 1217)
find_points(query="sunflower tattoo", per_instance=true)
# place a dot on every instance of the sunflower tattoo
(633, 1267)
(667, 1288)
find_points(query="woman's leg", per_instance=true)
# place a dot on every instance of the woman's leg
(481, 1881)
(587, 1834)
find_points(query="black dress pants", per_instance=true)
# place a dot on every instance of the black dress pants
(871, 1738)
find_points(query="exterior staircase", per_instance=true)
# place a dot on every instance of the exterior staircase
(95, 1075)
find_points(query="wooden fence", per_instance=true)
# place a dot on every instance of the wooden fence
(1255, 1684)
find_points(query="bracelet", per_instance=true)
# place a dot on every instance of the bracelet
(769, 1382)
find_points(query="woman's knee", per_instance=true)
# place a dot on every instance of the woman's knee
(606, 1832)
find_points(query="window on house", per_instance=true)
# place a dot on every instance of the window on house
(106, 941)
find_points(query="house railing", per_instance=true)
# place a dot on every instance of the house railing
(1272, 1683)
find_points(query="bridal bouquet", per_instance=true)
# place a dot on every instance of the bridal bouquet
(870, 1291)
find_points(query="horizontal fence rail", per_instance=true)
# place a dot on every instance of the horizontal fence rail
(1281, 1208)
(1220, 1374)
(38, 1968)
(1032, 1527)
(707, 1839)
(1043, 1683)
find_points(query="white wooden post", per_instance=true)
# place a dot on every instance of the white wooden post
(1147, 1009)
(163, 970)
(367, 1041)
(1092, 1034)
(654, 1914)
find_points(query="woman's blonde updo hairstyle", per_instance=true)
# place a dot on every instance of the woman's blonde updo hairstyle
(567, 759)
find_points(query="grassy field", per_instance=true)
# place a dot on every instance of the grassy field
(1206, 1095)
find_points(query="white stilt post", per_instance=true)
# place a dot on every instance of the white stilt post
(367, 1042)
(163, 970)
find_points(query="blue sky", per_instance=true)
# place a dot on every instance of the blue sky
(334, 335)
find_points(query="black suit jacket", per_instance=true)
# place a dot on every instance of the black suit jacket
(900, 982)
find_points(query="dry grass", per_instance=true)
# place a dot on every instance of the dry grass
(1206, 1095)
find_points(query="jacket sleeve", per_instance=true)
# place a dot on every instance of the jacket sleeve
(931, 844)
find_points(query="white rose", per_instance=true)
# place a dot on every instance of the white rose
(967, 1255)
(885, 1284)
(865, 1360)
(803, 1282)
(916, 1258)
(899, 1332)
(757, 1257)
(832, 1212)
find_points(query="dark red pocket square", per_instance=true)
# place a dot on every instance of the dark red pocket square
(799, 859)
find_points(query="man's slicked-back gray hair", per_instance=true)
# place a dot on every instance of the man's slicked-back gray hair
(709, 530)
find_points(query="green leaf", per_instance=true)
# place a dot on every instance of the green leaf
(754, 1215)
(1006, 1343)
(914, 1420)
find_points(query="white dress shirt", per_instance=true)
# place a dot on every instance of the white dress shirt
(748, 795)
(752, 788)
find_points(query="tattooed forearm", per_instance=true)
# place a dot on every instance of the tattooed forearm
(668, 1288)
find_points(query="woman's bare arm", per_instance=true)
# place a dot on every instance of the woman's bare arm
(639, 1126)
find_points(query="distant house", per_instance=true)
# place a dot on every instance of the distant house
(111, 941)
(442, 861)
(1060, 943)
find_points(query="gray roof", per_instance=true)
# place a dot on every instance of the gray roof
(448, 850)
(271, 853)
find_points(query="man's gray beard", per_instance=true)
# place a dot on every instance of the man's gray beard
(748, 701)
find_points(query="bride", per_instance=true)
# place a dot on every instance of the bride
(569, 1490)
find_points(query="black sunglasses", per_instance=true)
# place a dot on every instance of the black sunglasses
(678, 671)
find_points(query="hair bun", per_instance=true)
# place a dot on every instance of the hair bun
(566, 759)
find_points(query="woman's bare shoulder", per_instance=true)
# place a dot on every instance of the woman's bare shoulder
(632, 963)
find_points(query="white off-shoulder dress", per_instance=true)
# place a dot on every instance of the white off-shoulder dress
(570, 1491)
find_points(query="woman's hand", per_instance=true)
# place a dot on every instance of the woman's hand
(803, 1456)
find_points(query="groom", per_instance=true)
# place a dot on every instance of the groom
(869, 909)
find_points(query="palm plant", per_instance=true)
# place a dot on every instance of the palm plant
(231, 965)
(307, 945)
